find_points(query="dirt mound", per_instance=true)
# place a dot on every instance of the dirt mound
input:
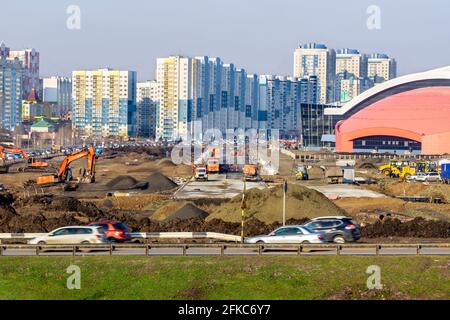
(7, 213)
(158, 182)
(189, 211)
(6, 199)
(49, 203)
(165, 211)
(166, 163)
(267, 205)
(122, 183)
(418, 228)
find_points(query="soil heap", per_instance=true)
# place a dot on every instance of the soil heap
(189, 211)
(267, 205)
(158, 182)
(122, 183)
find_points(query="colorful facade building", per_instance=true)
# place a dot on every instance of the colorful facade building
(409, 113)
(104, 103)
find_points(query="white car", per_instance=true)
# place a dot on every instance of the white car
(288, 235)
(418, 175)
(71, 235)
(429, 177)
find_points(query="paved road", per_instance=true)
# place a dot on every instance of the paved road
(234, 252)
(220, 186)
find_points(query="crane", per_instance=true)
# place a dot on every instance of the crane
(65, 173)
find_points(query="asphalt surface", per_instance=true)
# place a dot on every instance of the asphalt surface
(399, 251)
(219, 186)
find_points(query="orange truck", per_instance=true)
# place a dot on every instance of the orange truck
(213, 165)
(250, 172)
(213, 162)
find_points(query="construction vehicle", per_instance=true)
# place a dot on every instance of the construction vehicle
(302, 173)
(213, 166)
(400, 169)
(33, 164)
(12, 150)
(333, 174)
(213, 162)
(201, 173)
(64, 174)
(445, 173)
(427, 166)
(250, 172)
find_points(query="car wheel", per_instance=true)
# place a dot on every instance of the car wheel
(85, 243)
(40, 244)
(339, 239)
(261, 243)
(306, 242)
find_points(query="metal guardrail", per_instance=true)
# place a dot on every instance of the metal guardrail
(336, 249)
(141, 235)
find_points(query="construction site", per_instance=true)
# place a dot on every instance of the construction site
(141, 187)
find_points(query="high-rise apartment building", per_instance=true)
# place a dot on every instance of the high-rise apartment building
(147, 108)
(349, 87)
(175, 81)
(204, 91)
(104, 103)
(58, 90)
(30, 61)
(317, 60)
(4, 51)
(11, 91)
(351, 61)
(381, 67)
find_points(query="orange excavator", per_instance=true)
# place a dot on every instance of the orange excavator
(32, 163)
(64, 174)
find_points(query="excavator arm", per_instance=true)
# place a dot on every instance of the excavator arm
(64, 168)
(89, 154)
(16, 151)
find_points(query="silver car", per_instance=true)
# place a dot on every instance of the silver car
(71, 235)
(429, 177)
(288, 235)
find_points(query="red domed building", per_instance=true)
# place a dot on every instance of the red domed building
(410, 113)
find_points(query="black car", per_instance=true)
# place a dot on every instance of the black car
(336, 229)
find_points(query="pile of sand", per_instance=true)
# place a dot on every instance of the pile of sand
(267, 205)
(122, 183)
(158, 182)
(165, 211)
(166, 162)
(189, 211)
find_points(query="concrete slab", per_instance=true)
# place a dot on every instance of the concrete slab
(218, 187)
(346, 191)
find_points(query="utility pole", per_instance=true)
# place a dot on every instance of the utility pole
(243, 207)
(285, 190)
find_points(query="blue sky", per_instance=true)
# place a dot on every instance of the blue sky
(258, 35)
